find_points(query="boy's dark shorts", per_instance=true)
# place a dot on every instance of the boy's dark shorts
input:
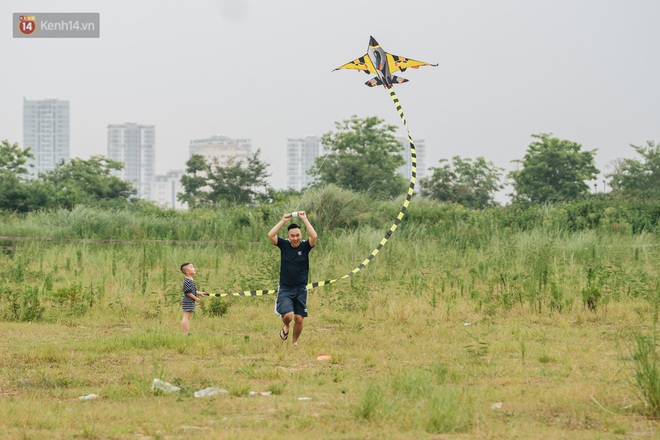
(188, 304)
(291, 299)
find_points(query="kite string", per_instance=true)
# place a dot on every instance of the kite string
(325, 156)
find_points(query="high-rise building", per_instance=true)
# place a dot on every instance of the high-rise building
(134, 146)
(300, 154)
(222, 148)
(165, 188)
(420, 152)
(46, 132)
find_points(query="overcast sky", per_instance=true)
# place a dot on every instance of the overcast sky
(585, 70)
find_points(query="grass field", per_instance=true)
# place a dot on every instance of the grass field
(399, 369)
(526, 335)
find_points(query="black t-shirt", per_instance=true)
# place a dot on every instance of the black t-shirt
(294, 263)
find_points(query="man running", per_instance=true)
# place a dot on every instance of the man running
(291, 304)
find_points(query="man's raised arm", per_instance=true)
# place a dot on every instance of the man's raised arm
(272, 234)
(313, 236)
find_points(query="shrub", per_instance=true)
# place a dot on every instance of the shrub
(646, 372)
(31, 308)
(216, 306)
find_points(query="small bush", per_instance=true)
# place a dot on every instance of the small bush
(332, 208)
(646, 372)
(371, 403)
(276, 388)
(21, 306)
(216, 307)
(72, 300)
(10, 304)
(31, 308)
(445, 412)
(239, 390)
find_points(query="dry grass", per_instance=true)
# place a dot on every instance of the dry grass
(395, 368)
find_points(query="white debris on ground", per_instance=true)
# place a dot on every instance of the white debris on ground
(211, 391)
(260, 393)
(164, 386)
(206, 392)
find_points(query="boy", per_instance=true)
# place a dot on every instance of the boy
(190, 295)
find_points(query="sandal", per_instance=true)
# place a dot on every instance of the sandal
(283, 335)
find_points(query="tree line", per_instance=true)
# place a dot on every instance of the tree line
(362, 155)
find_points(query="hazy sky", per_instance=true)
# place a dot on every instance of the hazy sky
(585, 70)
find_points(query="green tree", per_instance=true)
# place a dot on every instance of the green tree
(364, 157)
(280, 196)
(635, 178)
(14, 185)
(234, 183)
(85, 182)
(553, 170)
(471, 183)
(13, 159)
(194, 181)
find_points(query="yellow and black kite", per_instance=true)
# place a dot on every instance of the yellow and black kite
(383, 64)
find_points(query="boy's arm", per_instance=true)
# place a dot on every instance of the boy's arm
(313, 236)
(272, 234)
(195, 296)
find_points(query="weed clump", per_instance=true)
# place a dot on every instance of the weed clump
(646, 372)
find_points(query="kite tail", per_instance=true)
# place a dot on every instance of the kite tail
(399, 217)
(404, 208)
(246, 293)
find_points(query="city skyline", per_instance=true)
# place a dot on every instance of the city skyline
(134, 145)
(584, 71)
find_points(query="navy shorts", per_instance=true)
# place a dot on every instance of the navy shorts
(291, 299)
(188, 304)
